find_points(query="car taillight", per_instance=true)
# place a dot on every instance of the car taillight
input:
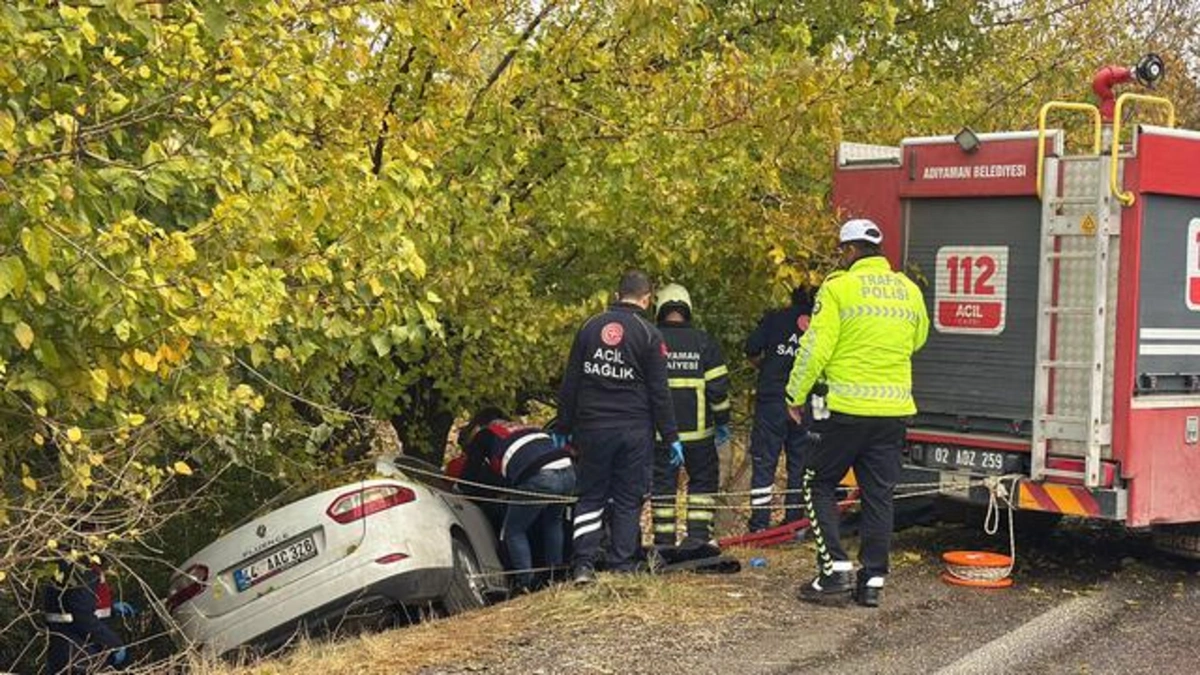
(363, 502)
(187, 586)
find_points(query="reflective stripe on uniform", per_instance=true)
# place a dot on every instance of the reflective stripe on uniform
(512, 449)
(587, 523)
(703, 516)
(714, 373)
(879, 313)
(697, 435)
(697, 384)
(664, 512)
(889, 392)
(760, 495)
(52, 617)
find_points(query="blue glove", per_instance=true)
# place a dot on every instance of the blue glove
(676, 459)
(560, 440)
(118, 657)
(722, 434)
(124, 609)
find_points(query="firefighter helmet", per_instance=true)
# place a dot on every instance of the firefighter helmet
(673, 297)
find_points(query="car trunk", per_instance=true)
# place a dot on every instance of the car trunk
(276, 549)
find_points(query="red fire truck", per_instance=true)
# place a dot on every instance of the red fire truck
(1064, 294)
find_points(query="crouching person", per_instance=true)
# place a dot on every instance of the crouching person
(74, 604)
(524, 458)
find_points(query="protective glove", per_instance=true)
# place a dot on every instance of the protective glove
(124, 609)
(118, 657)
(722, 434)
(559, 440)
(676, 459)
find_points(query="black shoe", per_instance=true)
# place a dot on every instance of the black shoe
(867, 596)
(832, 589)
(585, 575)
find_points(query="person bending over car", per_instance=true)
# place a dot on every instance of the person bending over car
(525, 458)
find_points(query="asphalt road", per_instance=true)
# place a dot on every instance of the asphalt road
(1087, 599)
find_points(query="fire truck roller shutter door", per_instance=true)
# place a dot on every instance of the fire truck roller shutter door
(985, 375)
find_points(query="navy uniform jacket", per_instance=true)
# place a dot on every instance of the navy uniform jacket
(699, 380)
(513, 451)
(70, 605)
(775, 339)
(616, 376)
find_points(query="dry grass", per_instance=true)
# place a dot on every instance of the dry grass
(680, 600)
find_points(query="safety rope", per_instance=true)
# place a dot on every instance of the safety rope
(997, 493)
(541, 498)
(999, 497)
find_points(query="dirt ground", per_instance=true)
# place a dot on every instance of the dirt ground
(1102, 592)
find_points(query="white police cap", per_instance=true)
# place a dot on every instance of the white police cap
(861, 229)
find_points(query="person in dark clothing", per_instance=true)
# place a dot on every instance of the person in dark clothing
(525, 458)
(614, 396)
(772, 348)
(79, 639)
(699, 381)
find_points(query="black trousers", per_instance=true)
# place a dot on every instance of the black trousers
(773, 431)
(613, 479)
(871, 445)
(704, 473)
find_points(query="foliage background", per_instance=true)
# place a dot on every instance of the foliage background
(235, 233)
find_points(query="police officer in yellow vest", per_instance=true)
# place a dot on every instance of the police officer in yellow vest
(867, 323)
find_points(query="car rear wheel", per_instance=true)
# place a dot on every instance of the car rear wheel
(466, 587)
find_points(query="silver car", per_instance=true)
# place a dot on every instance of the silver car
(366, 542)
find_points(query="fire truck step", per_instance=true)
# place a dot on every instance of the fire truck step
(1063, 473)
(1079, 365)
(1069, 310)
(1070, 255)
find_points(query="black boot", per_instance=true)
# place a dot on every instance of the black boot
(585, 575)
(832, 589)
(867, 596)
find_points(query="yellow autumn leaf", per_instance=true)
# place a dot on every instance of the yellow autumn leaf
(24, 335)
(39, 439)
(146, 360)
(96, 459)
(220, 127)
(29, 483)
(52, 544)
(74, 435)
(136, 420)
(182, 468)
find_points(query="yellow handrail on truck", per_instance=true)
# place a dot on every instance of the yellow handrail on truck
(1127, 198)
(1092, 110)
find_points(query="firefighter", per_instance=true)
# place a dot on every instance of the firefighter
(614, 396)
(527, 459)
(699, 382)
(867, 323)
(74, 605)
(772, 348)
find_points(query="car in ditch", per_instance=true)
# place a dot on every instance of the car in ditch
(368, 543)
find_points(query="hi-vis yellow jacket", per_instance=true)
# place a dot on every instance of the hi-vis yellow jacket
(867, 323)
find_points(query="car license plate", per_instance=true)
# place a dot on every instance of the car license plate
(281, 559)
(967, 459)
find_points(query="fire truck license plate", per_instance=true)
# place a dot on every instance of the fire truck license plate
(285, 558)
(978, 461)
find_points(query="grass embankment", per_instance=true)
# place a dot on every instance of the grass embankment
(632, 601)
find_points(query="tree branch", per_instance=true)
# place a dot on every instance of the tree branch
(508, 58)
